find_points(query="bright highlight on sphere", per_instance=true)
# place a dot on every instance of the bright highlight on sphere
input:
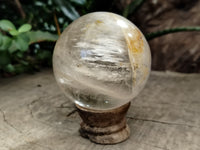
(101, 61)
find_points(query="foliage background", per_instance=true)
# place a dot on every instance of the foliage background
(48, 18)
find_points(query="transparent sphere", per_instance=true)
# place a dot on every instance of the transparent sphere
(101, 61)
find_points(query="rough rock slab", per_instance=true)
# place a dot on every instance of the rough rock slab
(35, 115)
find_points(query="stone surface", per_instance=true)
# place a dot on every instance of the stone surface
(101, 61)
(35, 115)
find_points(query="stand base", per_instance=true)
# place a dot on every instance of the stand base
(104, 127)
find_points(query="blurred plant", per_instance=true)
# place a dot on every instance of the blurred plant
(153, 35)
(22, 50)
(14, 47)
(41, 14)
(132, 7)
(136, 4)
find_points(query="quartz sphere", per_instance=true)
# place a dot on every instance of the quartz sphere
(101, 61)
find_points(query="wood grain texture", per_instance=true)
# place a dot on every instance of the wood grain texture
(35, 115)
(104, 126)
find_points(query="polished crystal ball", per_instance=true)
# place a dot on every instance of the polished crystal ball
(101, 61)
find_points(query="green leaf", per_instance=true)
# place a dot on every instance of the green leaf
(13, 47)
(1, 39)
(156, 34)
(78, 2)
(13, 32)
(67, 9)
(20, 68)
(25, 37)
(6, 25)
(132, 7)
(39, 36)
(19, 54)
(4, 58)
(24, 28)
(44, 54)
(39, 3)
(9, 68)
(25, 63)
(65, 25)
(21, 44)
(6, 43)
